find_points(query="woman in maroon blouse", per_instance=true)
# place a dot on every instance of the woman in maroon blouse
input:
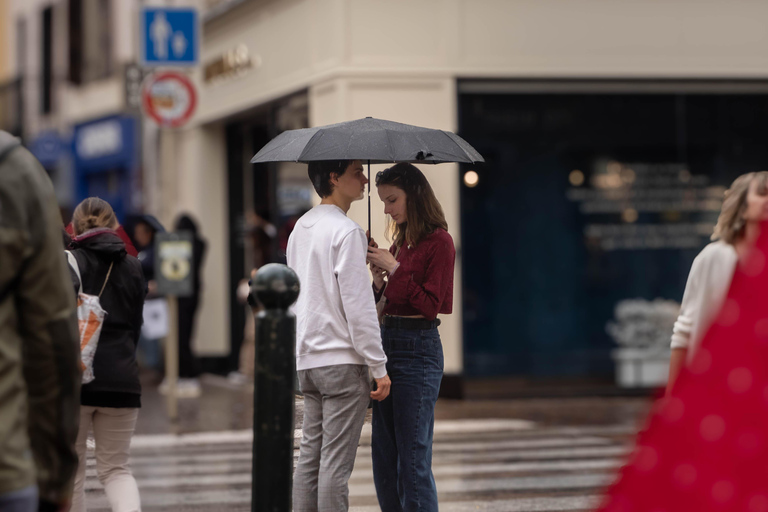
(419, 285)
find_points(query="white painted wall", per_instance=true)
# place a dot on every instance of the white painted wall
(400, 59)
(202, 191)
(6, 44)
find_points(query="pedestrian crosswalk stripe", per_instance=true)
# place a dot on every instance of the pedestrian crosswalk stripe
(213, 471)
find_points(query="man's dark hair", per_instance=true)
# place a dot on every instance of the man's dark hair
(320, 174)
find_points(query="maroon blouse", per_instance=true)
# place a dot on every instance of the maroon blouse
(423, 283)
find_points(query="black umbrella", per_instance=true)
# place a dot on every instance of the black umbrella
(372, 140)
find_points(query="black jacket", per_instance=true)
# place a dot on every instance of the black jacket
(115, 370)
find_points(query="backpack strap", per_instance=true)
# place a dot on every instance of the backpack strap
(73, 263)
(107, 279)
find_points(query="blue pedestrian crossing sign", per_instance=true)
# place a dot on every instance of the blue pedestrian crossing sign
(169, 36)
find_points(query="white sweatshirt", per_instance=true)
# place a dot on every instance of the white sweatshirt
(705, 292)
(336, 320)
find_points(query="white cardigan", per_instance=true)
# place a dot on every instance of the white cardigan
(706, 290)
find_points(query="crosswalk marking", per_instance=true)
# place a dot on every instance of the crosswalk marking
(509, 466)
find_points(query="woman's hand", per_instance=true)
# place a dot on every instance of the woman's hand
(382, 258)
(378, 274)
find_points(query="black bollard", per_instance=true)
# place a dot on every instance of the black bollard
(277, 287)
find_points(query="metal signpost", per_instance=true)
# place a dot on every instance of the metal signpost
(277, 287)
(174, 263)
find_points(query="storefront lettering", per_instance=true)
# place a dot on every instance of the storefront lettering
(233, 62)
(100, 139)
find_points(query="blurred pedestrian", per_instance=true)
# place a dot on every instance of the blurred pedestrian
(418, 269)
(39, 347)
(337, 337)
(738, 226)
(110, 403)
(189, 365)
(155, 307)
(247, 360)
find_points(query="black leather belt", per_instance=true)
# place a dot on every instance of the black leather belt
(416, 324)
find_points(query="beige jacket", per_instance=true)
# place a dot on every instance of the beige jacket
(39, 343)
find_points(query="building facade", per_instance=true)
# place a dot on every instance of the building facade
(609, 130)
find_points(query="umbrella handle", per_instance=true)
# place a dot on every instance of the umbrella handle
(369, 202)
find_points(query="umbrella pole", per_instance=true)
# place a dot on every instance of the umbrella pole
(369, 201)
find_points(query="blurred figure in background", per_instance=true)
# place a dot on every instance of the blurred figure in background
(40, 383)
(189, 366)
(110, 403)
(737, 229)
(155, 307)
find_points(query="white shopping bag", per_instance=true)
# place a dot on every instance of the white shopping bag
(90, 318)
(155, 319)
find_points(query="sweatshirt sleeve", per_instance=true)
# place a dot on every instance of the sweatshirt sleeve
(357, 301)
(691, 306)
(427, 298)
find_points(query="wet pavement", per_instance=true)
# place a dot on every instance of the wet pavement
(227, 406)
(553, 454)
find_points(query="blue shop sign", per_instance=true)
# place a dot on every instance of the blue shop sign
(48, 147)
(106, 160)
(105, 143)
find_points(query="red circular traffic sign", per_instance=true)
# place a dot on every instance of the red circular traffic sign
(169, 98)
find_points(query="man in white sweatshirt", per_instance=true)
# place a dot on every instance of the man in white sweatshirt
(337, 337)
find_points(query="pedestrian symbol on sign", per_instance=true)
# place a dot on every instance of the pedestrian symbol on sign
(160, 31)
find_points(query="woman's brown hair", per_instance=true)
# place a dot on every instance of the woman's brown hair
(730, 223)
(93, 213)
(422, 210)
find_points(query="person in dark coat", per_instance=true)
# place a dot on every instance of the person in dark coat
(189, 365)
(110, 403)
(39, 342)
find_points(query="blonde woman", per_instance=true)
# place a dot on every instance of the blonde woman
(110, 403)
(737, 229)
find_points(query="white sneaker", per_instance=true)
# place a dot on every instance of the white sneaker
(163, 387)
(188, 388)
(237, 378)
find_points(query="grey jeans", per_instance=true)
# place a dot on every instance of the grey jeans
(335, 402)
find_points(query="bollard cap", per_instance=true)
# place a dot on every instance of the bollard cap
(276, 286)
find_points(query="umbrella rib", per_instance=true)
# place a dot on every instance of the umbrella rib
(391, 146)
(471, 160)
(308, 145)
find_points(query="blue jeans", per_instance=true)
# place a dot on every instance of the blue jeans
(24, 500)
(404, 422)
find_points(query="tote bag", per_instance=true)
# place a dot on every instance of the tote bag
(90, 319)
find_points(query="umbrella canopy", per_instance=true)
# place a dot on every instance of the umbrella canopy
(372, 140)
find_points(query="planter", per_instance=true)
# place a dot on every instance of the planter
(641, 368)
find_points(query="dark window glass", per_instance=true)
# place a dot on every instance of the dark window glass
(46, 83)
(90, 40)
(75, 23)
